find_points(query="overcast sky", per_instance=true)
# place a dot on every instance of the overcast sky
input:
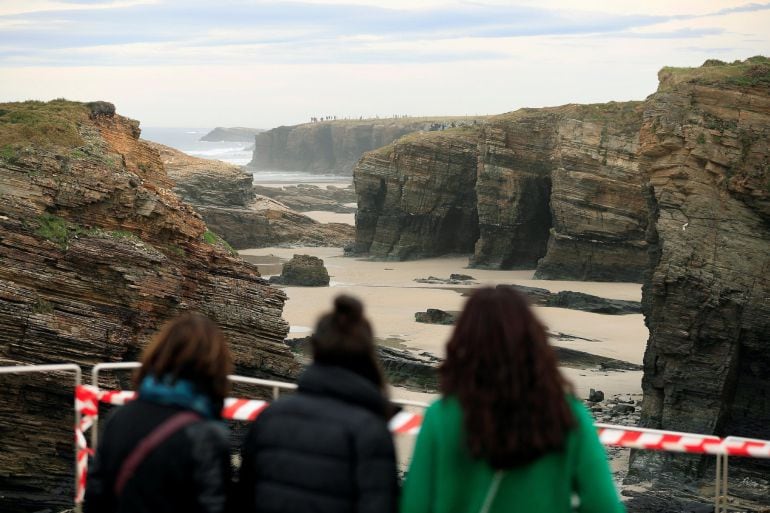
(193, 63)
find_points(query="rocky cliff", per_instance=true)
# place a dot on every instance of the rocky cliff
(705, 151)
(416, 196)
(233, 134)
(335, 146)
(223, 194)
(556, 188)
(96, 253)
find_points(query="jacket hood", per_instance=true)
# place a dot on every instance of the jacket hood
(342, 384)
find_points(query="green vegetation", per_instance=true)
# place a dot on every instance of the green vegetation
(61, 231)
(48, 125)
(42, 306)
(174, 250)
(701, 138)
(752, 72)
(55, 229)
(212, 238)
(123, 234)
(9, 154)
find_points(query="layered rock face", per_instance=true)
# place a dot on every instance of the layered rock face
(704, 149)
(226, 199)
(97, 252)
(334, 146)
(562, 184)
(416, 197)
(557, 189)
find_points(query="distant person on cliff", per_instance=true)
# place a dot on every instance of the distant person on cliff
(507, 433)
(327, 448)
(167, 451)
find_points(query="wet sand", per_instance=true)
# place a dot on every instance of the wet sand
(392, 298)
(323, 216)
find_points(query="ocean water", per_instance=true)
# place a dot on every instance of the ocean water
(188, 141)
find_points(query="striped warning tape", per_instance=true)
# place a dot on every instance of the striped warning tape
(87, 399)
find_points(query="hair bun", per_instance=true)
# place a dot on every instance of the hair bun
(348, 309)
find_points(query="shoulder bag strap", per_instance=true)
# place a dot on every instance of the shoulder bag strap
(492, 492)
(147, 444)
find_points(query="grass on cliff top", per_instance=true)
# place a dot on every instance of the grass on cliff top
(623, 117)
(461, 133)
(752, 72)
(51, 124)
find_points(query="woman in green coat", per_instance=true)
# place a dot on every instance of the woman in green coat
(507, 435)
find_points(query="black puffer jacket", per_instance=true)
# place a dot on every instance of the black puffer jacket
(189, 472)
(325, 449)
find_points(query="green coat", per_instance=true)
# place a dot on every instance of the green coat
(444, 478)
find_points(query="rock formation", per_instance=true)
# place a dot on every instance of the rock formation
(335, 146)
(416, 197)
(705, 152)
(224, 196)
(556, 188)
(436, 316)
(233, 134)
(96, 252)
(303, 271)
(305, 197)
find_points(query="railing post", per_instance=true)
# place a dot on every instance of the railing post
(95, 382)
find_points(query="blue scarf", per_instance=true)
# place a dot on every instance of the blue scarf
(181, 392)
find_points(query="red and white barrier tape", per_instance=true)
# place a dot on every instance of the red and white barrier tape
(406, 423)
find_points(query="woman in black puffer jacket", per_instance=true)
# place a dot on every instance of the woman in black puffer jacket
(326, 448)
(167, 451)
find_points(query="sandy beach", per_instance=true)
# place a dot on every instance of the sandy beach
(324, 216)
(392, 297)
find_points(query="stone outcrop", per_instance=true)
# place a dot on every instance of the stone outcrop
(555, 188)
(305, 197)
(226, 199)
(436, 316)
(416, 197)
(232, 134)
(96, 252)
(335, 146)
(403, 367)
(705, 152)
(303, 271)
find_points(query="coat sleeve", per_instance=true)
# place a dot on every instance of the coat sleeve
(418, 490)
(212, 469)
(376, 474)
(591, 473)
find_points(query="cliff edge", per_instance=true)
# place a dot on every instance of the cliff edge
(96, 253)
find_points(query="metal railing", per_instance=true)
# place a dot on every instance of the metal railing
(720, 448)
(275, 386)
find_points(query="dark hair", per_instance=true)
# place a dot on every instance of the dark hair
(501, 369)
(190, 347)
(345, 338)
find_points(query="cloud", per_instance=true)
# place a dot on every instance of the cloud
(262, 30)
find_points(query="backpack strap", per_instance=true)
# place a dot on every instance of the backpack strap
(147, 444)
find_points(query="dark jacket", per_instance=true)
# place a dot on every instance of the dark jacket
(326, 448)
(187, 473)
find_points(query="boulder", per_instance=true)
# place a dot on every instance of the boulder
(303, 271)
(436, 316)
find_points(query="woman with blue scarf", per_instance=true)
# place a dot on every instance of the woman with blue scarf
(168, 450)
